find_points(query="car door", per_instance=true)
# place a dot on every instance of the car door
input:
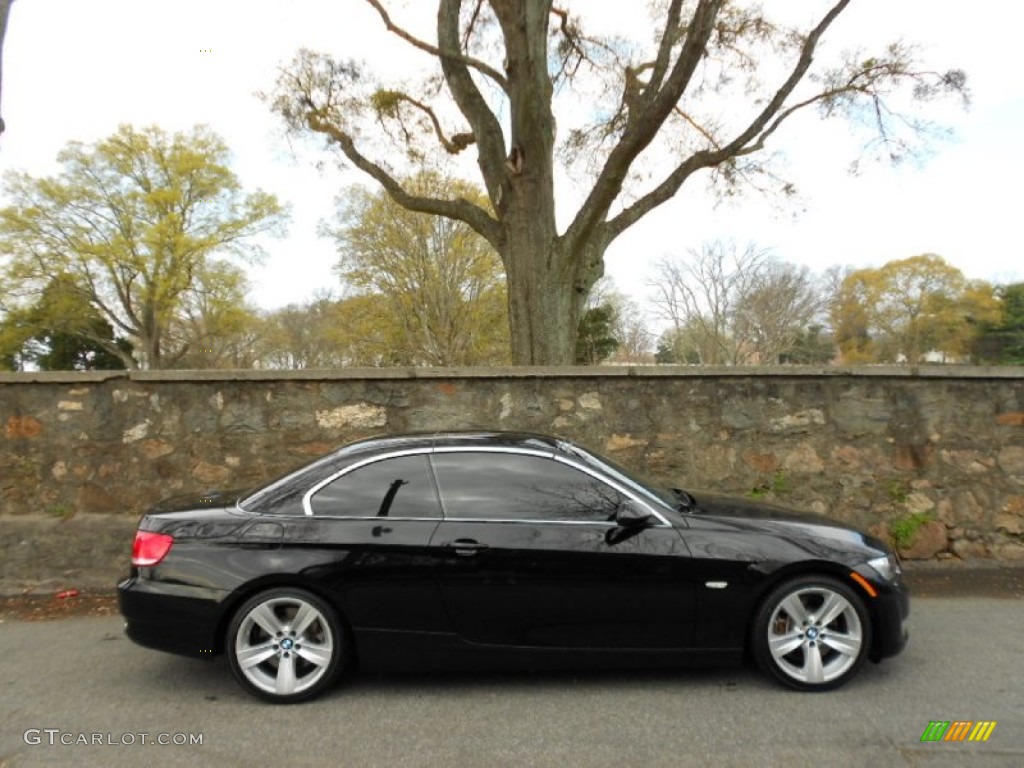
(366, 536)
(529, 555)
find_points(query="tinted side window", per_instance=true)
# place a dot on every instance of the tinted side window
(398, 487)
(502, 486)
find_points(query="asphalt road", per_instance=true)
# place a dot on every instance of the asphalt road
(81, 677)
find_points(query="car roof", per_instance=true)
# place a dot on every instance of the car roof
(453, 439)
(370, 447)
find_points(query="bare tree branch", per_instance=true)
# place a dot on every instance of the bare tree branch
(668, 39)
(444, 52)
(486, 128)
(705, 158)
(643, 127)
(460, 209)
(387, 102)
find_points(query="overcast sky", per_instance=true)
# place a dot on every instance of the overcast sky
(74, 70)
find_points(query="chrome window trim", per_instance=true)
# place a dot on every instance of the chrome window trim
(530, 521)
(307, 497)
(572, 451)
(388, 519)
(282, 480)
(620, 487)
(511, 521)
(545, 454)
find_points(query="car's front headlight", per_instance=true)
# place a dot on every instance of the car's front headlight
(887, 566)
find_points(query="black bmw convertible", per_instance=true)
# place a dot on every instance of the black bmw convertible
(496, 550)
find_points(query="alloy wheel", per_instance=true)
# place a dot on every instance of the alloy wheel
(285, 645)
(814, 634)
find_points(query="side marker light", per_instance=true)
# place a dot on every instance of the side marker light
(865, 584)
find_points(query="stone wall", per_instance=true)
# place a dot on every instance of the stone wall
(873, 446)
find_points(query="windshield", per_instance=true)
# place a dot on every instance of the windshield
(634, 480)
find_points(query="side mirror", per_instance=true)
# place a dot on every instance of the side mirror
(630, 514)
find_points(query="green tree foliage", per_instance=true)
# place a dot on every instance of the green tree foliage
(679, 346)
(299, 336)
(596, 340)
(441, 284)
(27, 338)
(142, 224)
(310, 335)
(497, 72)
(356, 331)
(910, 310)
(215, 326)
(1002, 341)
(65, 352)
(812, 346)
(628, 324)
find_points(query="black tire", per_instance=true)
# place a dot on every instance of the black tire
(794, 641)
(276, 659)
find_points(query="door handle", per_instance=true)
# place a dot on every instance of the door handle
(466, 547)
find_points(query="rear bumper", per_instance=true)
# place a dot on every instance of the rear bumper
(890, 621)
(171, 618)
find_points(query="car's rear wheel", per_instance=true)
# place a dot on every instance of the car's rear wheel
(286, 645)
(811, 633)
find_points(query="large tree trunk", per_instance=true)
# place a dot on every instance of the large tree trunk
(547, 292)
(543, 309)
(5, 9)
(543, 317)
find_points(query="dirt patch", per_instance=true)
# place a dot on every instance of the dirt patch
(59, 606)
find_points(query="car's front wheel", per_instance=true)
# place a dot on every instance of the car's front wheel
(286, 645)
(811, 633)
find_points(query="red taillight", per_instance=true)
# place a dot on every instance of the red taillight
(150, 548)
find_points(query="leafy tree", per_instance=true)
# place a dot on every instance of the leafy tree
(309, 335)
(909, 309)
(849, 309)
(501, 70)
(26, 337)
(681, 346)
(369, 333)
(1002, 341)
(628, 323)
(441, 281)
(216, 326)
(136, 221)
(810, 347)
(67, 352)
(596, 341)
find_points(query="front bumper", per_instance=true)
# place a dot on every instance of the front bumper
(890, 614)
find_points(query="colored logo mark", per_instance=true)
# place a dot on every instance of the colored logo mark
(958, 730)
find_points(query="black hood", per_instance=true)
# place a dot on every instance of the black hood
(806, 530)
(720, 505)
